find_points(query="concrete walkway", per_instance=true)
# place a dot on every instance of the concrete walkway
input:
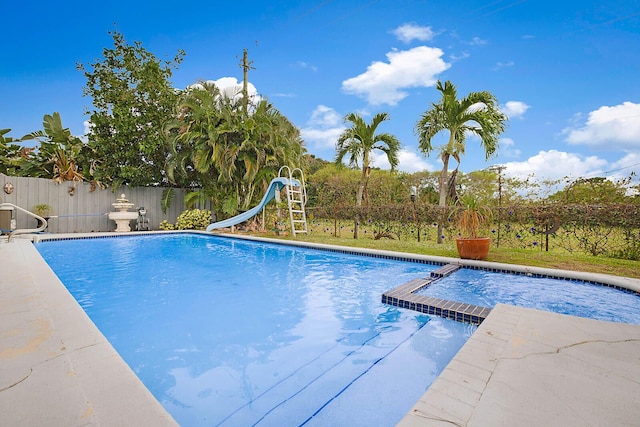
(525, 367)
(522, 367)
(56, 368)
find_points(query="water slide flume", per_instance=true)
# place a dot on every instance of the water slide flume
(275, 185)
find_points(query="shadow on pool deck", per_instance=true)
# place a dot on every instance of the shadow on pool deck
(521, 367)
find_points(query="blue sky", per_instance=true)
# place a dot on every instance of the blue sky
(566, 72)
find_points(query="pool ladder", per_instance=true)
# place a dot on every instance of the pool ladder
(296, 200)
(42, 227)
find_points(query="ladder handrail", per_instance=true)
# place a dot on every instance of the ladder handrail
(302, 201)
(302, 184)
(26, 230)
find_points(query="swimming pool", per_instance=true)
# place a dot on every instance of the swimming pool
(226, 332)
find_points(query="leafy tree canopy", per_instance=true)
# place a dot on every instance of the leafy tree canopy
(597, 191)
(228, 152)
(132, 99)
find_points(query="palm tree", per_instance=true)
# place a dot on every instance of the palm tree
(358, 142)
(228, 154)
(477, 114)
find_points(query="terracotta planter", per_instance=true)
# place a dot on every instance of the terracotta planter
(477, 248)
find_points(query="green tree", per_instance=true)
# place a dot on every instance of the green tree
(476, 113)
(332, 186)
(231, 154)
(312, 164)
(596, 191)
(424, 185)
(132, 99)
(358, 141)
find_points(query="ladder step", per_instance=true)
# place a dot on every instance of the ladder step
(295, 197)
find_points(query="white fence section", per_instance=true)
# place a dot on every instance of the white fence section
(77, 209)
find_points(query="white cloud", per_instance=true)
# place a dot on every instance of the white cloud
(408, 161)
(325, 116)
(627, 162)
(409, 32)
(383, 82)
(284, 95)
(302, 64)
(506, 148)
(477, 41)
(617, 127)
(323, 128)
(232, 89)
(500, 65)
(321, 138)
(460, 57)
(514, 109)
(555, 164)
(622, 168)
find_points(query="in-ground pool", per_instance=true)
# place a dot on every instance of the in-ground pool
(229, 332)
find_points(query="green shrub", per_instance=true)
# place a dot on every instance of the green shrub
(630, 247)
(166, 225)
(193, 219)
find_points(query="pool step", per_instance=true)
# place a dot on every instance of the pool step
(445, 270)
(404, 296)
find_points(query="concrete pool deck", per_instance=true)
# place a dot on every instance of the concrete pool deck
(521, 367)
(56, 367)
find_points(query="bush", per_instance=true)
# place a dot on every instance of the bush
(191, 219)
(630, 247)
(166, 225)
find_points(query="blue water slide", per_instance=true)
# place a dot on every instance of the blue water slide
(276, 184)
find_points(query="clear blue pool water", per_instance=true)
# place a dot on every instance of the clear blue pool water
(228, 332)
(577, 298)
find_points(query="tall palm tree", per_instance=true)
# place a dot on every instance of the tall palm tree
(358, 142)
(477, 113)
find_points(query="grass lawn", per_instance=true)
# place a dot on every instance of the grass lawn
(534, 257)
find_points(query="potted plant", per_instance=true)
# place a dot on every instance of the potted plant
(42, 210)
(470, 216)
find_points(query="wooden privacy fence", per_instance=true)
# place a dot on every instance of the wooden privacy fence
(77, 209)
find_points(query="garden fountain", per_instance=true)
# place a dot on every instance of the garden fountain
(122, 217)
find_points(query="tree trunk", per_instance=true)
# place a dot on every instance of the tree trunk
(443, 187)
(361, 192)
